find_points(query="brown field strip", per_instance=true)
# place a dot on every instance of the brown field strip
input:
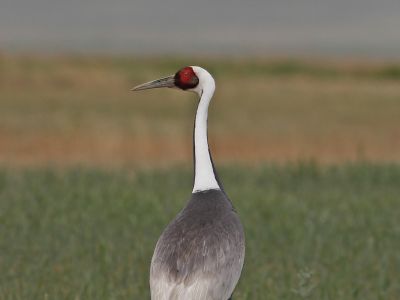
(119, 151)
(79, 111)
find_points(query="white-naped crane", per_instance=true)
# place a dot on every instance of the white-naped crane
(200, 254)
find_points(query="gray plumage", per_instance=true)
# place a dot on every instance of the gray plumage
(200, 254)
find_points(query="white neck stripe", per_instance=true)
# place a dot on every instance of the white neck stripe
(204, 173)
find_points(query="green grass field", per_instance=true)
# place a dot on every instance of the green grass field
(312, 232)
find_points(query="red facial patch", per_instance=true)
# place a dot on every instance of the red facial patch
(186, 78)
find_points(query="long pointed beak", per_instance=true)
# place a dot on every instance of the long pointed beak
(168, 82)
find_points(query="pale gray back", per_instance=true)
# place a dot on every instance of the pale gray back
(200, 254)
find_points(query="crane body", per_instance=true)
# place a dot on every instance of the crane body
(200, 254)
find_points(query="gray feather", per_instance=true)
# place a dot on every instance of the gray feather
(203, 245)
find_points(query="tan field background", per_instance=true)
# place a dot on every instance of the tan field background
(77, 110)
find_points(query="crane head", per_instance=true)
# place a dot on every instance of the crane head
(187, 79)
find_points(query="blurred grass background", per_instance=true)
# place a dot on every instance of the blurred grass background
(65, 110)
(91, 173)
